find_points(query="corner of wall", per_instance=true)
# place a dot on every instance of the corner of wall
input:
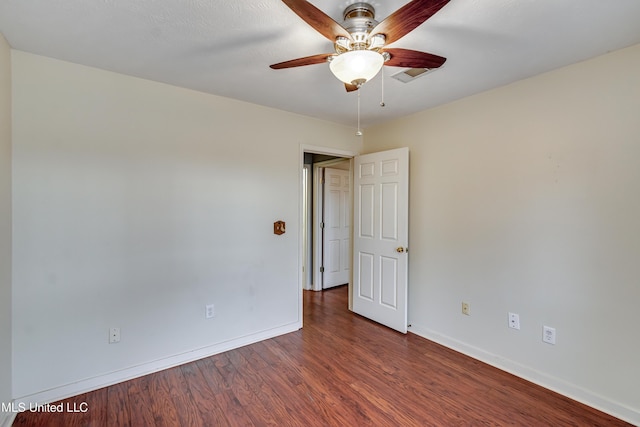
(6, 417)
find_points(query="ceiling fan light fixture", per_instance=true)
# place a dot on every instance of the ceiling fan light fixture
(357, 66)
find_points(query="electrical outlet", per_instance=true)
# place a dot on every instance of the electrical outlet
(114, 335)
(209, 311)
(549, 335)
(514, 321)
(466, 309)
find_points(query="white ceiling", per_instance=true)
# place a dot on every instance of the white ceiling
(225, 47)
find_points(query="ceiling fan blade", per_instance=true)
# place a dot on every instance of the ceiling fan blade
(413, 59)
(407, 18)
(320, 21)
(350, 88)
(307, 60)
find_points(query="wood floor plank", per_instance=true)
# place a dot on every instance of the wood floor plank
(140, 402)
(118, 410)
(239, 384)
(97, 407)
(251, 364)
(255, 360)
(340, 369)
(225, 399)
(165, 412)
(371, 374)
(303, 409)
(188, 413)
(327, 380)
(79, 416)
(204, 399)
(212, 376)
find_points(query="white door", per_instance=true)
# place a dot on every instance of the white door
(336, 231)
(381, 233)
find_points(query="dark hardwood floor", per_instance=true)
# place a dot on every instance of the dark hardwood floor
(339, 370)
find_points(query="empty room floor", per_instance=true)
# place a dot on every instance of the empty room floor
(339, 370)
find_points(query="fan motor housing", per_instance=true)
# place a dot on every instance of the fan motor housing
(359, 18)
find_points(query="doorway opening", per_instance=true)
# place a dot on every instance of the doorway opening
(378, 251)
(326, 220)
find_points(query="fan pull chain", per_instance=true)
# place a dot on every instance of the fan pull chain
(382, 104)
(359, 132)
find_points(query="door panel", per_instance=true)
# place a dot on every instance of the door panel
(366, 213)
(381, 198)
(365, 288)
(337, 231)
(389, 278)
(389, 213)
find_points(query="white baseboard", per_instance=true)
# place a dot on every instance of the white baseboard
(540, 378)
(95, 383)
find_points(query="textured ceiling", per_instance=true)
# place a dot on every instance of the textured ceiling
(225, 47)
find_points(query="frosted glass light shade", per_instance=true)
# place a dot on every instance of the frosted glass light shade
(356, 66)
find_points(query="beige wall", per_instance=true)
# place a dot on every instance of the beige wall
(137, 203)
(5, 223)
(526, 199)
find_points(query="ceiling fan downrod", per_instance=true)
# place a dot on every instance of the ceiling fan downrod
(359, 20)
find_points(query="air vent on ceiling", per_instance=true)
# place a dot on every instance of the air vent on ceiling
(411, 74)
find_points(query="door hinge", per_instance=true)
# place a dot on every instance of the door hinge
(321, 269)
(322, 225)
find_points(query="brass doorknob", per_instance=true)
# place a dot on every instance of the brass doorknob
(400, 249)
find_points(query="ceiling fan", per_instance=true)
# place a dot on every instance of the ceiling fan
(360, 41)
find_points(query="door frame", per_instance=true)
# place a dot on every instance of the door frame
(318, 207)
(314, 149)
